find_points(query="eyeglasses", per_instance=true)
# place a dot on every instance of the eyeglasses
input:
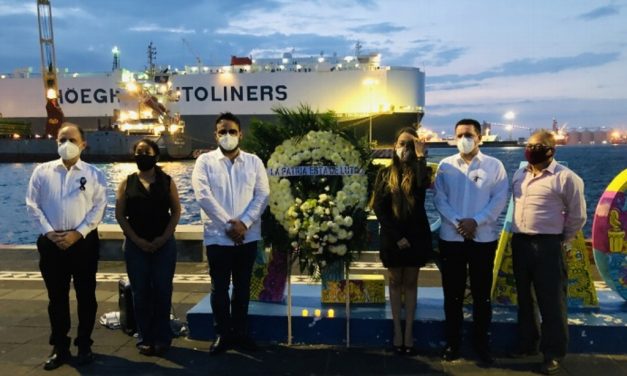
(536, 146)
(232, 132)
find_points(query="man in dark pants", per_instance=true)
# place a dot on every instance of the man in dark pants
(549, 208)
(232, 189)
(471, 192)
(66, 197)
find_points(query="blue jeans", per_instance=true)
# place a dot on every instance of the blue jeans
(151, 282)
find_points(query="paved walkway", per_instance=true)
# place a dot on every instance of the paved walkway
(24, 334)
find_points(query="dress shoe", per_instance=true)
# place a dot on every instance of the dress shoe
(550, 367)
(410, 351)
(219, 346)
(147, 350)
(398, 350)
(450, 353)
(160, 350)
(522, 353)
(485, 356)
(57, 359)
(85, 356)
(246, 343)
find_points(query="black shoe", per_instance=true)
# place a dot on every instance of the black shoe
(246, 343)
(410, 351)
(398, 350)
(522, 353)
(550, 367)
(160, 350)
(218, 346)
(57, 359)
(485, 356)
(450, 353)
(147, 350)
(85, 356)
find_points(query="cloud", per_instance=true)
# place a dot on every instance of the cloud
(600, 12)
(379, 28)
(161, 29)
(9, 9)
(524, 67)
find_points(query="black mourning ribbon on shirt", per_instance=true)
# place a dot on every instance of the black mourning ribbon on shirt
(82, 181)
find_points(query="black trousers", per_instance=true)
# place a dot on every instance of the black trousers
(541, 283)
(226, 262)
(78, 263)
(458, 258)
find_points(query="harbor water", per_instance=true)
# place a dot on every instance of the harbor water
(596, 164)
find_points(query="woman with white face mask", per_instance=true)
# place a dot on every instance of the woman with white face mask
(399, 197)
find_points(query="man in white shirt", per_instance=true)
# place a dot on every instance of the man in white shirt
(471, 192)
(232, 189)
(67, 199)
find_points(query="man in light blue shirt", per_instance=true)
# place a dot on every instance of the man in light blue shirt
(232, 189)
(471, 192)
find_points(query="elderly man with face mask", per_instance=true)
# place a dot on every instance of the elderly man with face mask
(232, 189)
(471, 192)
(549, 208)
(67, 199)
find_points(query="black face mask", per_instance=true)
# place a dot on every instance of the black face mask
(145, 162)
(537, 155)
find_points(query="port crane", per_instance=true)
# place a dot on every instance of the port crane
(49, 69)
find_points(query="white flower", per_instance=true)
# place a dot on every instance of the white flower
(348, 221)
(294, 244)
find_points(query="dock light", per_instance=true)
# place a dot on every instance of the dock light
(16, 136)
(51, 94)
(115, 50)
(331, 313)
(317, 313)
(299, 67)
(131, 86)
(305, 313)
(320, 59)
(3, 76)
(509, 115)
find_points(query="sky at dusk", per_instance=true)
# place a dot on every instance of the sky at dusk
(540, 59)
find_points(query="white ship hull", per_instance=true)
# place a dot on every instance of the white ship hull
(396, 98)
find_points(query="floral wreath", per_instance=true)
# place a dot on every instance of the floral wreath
(320, 213)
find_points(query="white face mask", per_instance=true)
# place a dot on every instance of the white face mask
(465, 145)
(228, 142)
(68, 151)
(400, 152)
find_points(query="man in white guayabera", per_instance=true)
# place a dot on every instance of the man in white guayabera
(471, 191)
(232, 189)
(67, 199)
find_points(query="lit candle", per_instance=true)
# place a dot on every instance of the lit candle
(317, 313)
(331, 313)
(305, 313)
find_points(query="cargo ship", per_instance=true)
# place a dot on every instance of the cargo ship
(374, 99)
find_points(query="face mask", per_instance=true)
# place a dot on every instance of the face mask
(145, 162)
(535, 156)
(68, 151)
(465, 145)
(228, 142)
(400, 152)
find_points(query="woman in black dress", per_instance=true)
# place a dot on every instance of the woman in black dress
(399, 197)
(148, 210)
